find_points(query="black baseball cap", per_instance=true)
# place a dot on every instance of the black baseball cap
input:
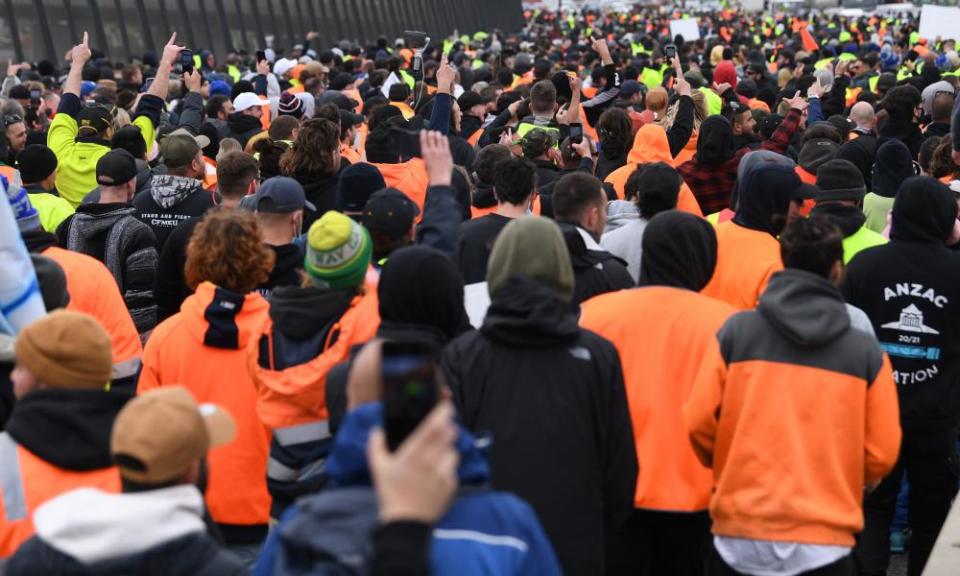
(389, 212)
(348, 118)
(469, 99)
(116, 167)
(282, 195)
(96, 117)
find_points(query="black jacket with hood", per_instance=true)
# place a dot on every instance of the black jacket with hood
(595, 270)
(112, 234)
(910, 289)
(321, 191)
(67, 428)
(168, 202)
(552, 396)
(242, 127)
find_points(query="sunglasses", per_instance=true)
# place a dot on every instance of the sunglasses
(11, 119)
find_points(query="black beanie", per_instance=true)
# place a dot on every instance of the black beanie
(36, 162)
(840, 180)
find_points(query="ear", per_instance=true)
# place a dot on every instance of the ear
(836, 273)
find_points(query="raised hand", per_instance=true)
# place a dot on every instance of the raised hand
(600, 47)
(192, 80)
(171, 51)
(435, 151)
(797, 101)
(446, 76)
(80, 54)
(417, 481)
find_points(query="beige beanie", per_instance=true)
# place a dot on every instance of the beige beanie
(66, 350)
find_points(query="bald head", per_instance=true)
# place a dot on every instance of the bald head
(863, 116)
(364, 385)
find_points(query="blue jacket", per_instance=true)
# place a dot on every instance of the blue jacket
(483, 532)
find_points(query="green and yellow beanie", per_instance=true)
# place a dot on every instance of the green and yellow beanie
(338, 252)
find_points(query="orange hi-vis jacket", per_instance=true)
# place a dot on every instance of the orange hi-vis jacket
(94, 291)
(795, 423)
(659, 367)
(204, 348)
(409, 177)
(746, 259)
(296, 395)
(291, 379)
(27, 481)
(651, 145)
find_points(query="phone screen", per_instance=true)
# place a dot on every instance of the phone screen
(576, 133)
(409, 388)
(670, 50)
(186, 61)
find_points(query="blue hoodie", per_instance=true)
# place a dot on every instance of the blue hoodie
(483, 532)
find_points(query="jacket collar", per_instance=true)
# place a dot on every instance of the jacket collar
(67, 428)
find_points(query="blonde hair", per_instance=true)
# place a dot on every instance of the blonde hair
(121, 118)
(784, 77)
(716, 55)
(699, 111)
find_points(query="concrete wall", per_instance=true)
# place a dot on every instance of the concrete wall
(37, 29)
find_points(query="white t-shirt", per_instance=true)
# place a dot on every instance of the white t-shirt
(770, 558)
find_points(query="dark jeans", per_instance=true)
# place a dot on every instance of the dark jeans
(927, 460)
(842, 567)
(661, 543)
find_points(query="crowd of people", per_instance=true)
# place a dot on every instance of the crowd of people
(682, 306)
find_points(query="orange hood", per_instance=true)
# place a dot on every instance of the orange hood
(688, 151)
(650, 145)
(223, 319)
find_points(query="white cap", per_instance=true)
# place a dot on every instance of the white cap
(283, 66)
(246, 100)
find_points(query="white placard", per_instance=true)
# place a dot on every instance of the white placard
(942, 21)
(686, 27)
(390, 81)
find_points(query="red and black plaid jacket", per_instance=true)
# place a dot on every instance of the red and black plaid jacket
(713, 185)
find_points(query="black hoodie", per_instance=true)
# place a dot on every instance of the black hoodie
(67, 428)
(679, 250)
(286, 268)
(715, 145)
(910, 289)
(242, 127)
(552, 397)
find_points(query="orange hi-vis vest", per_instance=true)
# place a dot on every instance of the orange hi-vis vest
(27, 481)
(746, 259)
(209, 174)
(93, 291)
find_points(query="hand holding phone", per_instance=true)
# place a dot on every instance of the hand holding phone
(186, 61)
(408, 372)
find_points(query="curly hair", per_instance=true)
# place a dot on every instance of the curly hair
(316, 150)
(941, 163)
(227, 249)
(615, 129)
